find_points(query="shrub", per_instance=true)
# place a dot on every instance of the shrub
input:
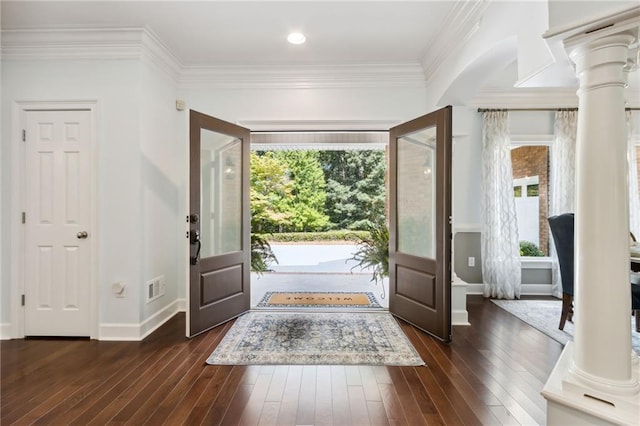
(527, 248)
(340, 235)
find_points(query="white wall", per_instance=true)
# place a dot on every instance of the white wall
(116, 87)
(163, 152)
(395, 104)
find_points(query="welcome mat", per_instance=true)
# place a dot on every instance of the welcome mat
(545, 316)
(303, 299)
(272, 338)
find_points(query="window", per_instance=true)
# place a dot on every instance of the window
(530, 168)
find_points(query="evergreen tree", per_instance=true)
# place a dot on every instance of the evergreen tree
(356, 189)
(308, 190)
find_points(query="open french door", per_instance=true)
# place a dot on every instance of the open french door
(219, 228)
(419, 222)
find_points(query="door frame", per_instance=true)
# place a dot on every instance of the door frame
(18, 200)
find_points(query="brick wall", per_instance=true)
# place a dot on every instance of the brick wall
(534, 161)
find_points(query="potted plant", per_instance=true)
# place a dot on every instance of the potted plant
(373, 253)
(261, 254)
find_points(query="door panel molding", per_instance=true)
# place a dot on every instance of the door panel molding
(18, 203)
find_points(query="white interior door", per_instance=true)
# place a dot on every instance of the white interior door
(57, 258)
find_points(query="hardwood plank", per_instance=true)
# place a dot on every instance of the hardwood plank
(253, 407)
(289, 404)
(219, 406)
(491, 373)
(324, 402)
(340, 394)
(358, 405)
(306, 412)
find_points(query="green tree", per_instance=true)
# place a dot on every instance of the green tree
(309, 196)
(271, 194)
(356, 190)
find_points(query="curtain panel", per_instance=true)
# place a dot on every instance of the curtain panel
(563, 181)
(500, 243)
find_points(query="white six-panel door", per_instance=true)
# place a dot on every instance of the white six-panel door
(58, 213)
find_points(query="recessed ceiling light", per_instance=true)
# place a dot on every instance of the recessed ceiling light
(296, 38)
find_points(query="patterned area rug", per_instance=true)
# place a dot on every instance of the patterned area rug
(271, 338)
(308, 299)
(545, 316)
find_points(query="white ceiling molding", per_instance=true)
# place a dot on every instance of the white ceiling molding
(457, 28)
(538, 98)
(303, 77)
(89, 44)
(318, 125)
(525, 98)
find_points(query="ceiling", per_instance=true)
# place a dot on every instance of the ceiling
(212, 33)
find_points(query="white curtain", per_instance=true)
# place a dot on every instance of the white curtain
(500, 245)
(563, 180)
(634, 196)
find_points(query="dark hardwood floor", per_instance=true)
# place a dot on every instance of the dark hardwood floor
(491, 373)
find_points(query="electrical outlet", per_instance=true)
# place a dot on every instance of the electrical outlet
(471, 262)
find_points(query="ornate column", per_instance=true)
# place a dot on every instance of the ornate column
(602, 343)
(596, 378)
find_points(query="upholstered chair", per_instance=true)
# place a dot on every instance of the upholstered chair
(562, 231)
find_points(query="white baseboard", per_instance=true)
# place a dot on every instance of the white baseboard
(182, 305)
(6, 331)
(525, 290)
(459, 317)
(137, 332)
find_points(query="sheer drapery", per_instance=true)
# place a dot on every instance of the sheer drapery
(500, 244)
(563, 180)
(634, 196)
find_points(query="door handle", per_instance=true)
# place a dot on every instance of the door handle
(82, 235)
(195, 240)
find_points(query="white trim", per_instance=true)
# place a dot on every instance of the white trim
(182, 305)
(156, 320)
(18, 204)
(6, 331)
(318, 125)
(302, 77)
(119, 332)
(525, 290)
(456, 29)
(536, 263)
(137, 332)
(466, 227)
(532, 140)
(525, 98)
(459, 317)
(90, 44)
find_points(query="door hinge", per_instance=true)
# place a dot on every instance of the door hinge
(22, 300)
(24, 135)
(24, 217)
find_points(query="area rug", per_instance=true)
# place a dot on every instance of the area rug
(307, 299)
(272, 338)
(545, 316)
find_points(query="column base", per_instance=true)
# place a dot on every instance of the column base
(459, 314)
(573, 402)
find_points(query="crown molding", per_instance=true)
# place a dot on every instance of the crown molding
(551, 98)
(457, 28)
(525, 98)
(318, 125)
(89, 44)
(303, 77)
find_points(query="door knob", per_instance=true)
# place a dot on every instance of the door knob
(82, 235)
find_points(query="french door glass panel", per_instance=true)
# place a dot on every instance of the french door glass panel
(220, 193)
(417, 193)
